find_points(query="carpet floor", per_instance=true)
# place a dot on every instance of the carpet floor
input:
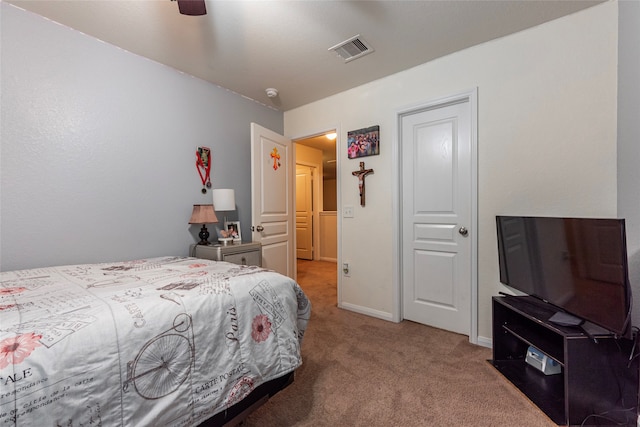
(362, 371)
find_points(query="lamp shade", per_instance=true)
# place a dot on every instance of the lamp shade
(203, 214)
(224, 199)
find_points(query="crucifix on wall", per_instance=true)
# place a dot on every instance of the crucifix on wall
(361, 174)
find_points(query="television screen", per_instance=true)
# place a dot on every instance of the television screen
(576, 264)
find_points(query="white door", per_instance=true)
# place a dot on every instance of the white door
(304, 212)
(272, 198)
(436, 216)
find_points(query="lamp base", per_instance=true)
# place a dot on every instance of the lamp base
(204, 236)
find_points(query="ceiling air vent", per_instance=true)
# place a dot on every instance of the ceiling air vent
(352, 49)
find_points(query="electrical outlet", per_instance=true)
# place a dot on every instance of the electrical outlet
(347, 211)
(345, 269)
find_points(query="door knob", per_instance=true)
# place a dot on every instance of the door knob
(463, 231)
(260, 228)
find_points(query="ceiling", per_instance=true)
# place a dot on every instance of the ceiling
(249, 46)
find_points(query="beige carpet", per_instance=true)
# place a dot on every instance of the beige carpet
(361, 371)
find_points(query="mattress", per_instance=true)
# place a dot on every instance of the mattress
(162, 341)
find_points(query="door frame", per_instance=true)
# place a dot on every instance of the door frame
(322, 130)
(472, 97)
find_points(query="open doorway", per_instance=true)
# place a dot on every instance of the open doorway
(316, 202)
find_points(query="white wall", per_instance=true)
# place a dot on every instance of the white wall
(546, 137)
(629, 139)
(98, 148)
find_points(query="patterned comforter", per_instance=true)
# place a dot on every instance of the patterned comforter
(165, 341)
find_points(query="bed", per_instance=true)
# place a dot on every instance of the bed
(172, 341)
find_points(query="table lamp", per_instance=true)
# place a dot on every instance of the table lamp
(203, 214)
(224, 199)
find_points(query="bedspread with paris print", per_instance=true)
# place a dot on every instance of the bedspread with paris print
(165, 341)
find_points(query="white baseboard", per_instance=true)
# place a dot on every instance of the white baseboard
(368, 311)
(485, 342)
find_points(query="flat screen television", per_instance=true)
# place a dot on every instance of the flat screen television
(578, 265)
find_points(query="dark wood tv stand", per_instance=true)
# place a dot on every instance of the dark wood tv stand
(596, 377)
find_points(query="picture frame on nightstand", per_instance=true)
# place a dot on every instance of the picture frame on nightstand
(233, 230)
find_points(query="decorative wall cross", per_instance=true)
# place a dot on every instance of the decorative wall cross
(276, 158)
(361, 174)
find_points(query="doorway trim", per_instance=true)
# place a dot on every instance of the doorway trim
(470, 96)
(322, 130)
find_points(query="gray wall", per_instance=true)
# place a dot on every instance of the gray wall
(97, 156)
(629, 138)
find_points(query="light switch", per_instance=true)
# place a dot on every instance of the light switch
(347, 211)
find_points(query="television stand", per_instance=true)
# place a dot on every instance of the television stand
(563, 319)
(596, 378)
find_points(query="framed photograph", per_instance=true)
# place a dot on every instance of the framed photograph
(233, 230)
(363, 142)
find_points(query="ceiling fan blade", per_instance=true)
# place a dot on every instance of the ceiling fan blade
(192, 7)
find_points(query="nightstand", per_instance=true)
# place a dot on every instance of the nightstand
(237, 253)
